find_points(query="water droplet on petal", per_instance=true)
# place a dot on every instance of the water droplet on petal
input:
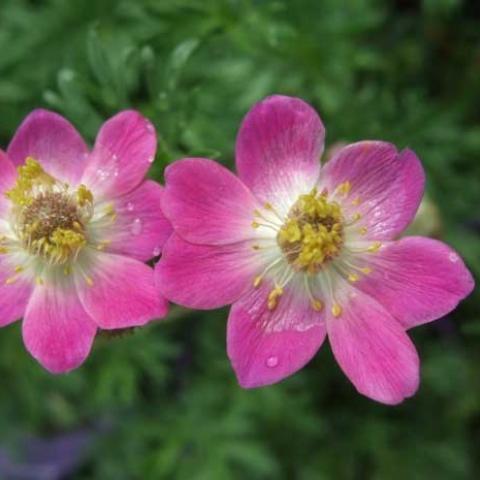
(130, 206)
(151, 159)
(102, 174)
(272, 362)
(157, 251)
(136, 227)
(453, 257)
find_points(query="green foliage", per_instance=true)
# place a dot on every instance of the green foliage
(405, 71)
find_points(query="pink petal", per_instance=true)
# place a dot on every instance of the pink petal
(278, 149)
(121, 293)
(13, 296)
(53, 141)
(8, 175)
(56, 330)
(266, 346)
(373, 350)
(417, 280)
(389, 185)
(207, 203)
(140, 228)
(124, 150)
(205, 276)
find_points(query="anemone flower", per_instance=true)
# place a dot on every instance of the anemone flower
(76, 227)
(304, 252)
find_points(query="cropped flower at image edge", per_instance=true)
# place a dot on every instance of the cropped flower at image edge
(76, 227)
(304, 252)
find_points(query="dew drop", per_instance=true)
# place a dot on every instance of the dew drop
(157, 251)
(102, 174)
(272, 362)
(130, 206)
(151, 159)
(136, 227)
(453, 257)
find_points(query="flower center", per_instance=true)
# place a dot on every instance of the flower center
(50, 218)
(312, 233)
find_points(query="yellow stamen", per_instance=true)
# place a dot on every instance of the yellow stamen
(274, 296)
(356, 202)
(257, 280)
(10, 280)
(336, 310)
(374, 247)
(312, 233)
(84, 195)
(363, 231)
(28, 175)
(317, 305)
(353, 277)
(366, 270)
(344, 188)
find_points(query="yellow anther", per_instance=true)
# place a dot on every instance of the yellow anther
(268, 206)
(274, 296)
(28, 174)
(88, 280)
(356, 201)
(356, 217)
(3, 250)
(366, 270)
(256, 247)
(63, 238)
(19, 268)
(374, 247)
(312, 233)
(353, 277)
(39, 280)
(344, 188)
(67, 270)
(257, 281)
(84, 195)
(255, 224)
(317, 305)
(336, 310)
(10, 280)
(363, 231)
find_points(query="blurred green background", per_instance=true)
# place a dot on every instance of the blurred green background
(162, 402)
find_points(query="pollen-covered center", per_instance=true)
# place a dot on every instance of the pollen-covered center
(312, 233)
(50, 218)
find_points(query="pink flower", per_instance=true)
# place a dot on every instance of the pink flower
(76, 227)
(304, 252)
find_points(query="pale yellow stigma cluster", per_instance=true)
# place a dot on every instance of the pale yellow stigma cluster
(49, 218)
(318, 246)
(312, 234)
